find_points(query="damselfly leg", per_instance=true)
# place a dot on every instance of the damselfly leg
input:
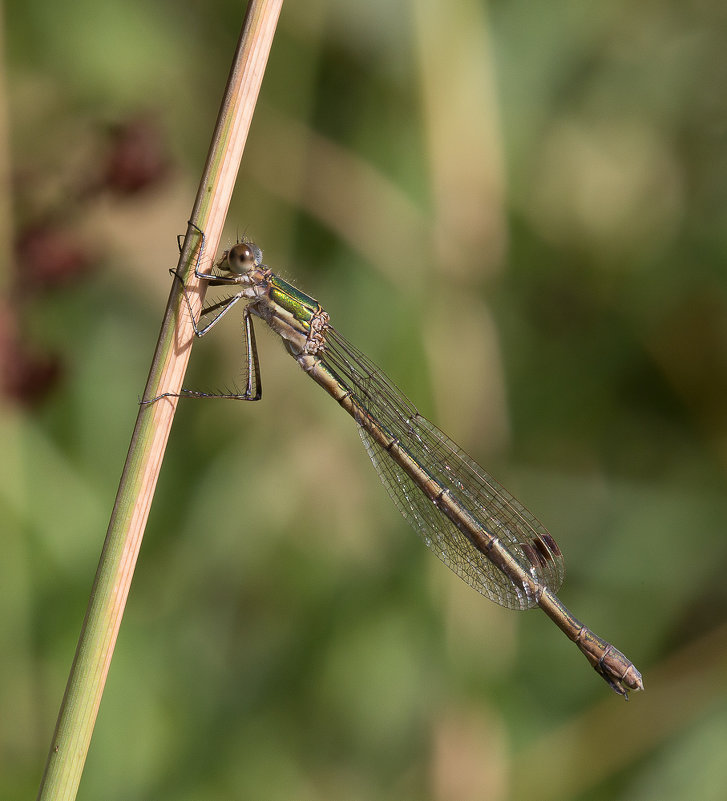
(253, 382)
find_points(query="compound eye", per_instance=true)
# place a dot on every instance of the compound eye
(241, 259)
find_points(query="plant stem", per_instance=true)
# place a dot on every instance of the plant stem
(87, 678)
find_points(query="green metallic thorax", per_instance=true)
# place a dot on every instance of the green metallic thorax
(301, 306)
(293, 315)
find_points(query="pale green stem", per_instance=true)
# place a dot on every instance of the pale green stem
(87, 678)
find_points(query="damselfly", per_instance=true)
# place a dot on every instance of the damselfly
(470, 522)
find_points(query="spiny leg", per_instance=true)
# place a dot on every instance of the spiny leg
(182, 238)
(253, 388)
(213, 278)
(225, 305)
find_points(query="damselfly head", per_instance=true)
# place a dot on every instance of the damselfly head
(242, 258)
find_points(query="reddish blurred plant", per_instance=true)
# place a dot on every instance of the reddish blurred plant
(48, 256)
(26, 377)
(137, 158)
(50, 252)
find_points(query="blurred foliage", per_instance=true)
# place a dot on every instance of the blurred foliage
(519, 210)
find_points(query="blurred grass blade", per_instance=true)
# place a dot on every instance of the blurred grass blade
(86, 682)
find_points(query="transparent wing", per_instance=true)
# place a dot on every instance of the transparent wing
(478, 493)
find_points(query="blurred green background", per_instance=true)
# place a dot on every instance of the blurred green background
(519, 211)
